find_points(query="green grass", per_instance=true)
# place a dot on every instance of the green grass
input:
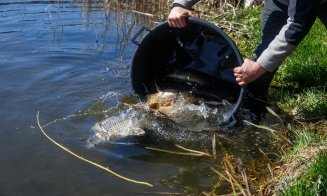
(308, 151)
(313, 182)
(304, 137)
(310, 104)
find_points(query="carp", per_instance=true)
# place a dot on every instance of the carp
(127, 123)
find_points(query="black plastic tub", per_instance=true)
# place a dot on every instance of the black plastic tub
(199, 58)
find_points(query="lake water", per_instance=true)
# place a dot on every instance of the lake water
(65, 58)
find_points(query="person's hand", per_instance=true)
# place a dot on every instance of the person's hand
(177, 17)
(248, 72)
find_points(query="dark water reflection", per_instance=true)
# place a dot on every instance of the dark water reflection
(65, 57)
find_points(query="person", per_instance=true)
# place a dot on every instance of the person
(284, 24)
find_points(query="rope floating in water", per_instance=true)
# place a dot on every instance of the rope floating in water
(86, 160)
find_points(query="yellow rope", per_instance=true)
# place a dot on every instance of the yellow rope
(88, 161)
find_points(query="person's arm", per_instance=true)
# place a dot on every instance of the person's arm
(302, 14)
(185, 3)
(180, 11)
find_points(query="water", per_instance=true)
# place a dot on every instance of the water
(66, 58)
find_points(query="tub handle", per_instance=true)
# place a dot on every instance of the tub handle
(138, 33)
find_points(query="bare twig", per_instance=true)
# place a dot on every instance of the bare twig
(198, 154)
(236, 182)
(246, 181)
(143, 13)
(276, 115)
(264, 155)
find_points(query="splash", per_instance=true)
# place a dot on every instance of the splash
(168, 115)
(109, 95)
(188, 112)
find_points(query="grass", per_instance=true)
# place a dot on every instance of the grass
(310, 104)
(314, 182)
(305, 168)
(304, 137)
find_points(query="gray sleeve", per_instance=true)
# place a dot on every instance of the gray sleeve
(277, 50)
(186, 3)
(302, 14)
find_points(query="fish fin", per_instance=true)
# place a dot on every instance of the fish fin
(157, 87)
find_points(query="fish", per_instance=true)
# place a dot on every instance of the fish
(190, 76)
(170, 104)
(128, 123)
